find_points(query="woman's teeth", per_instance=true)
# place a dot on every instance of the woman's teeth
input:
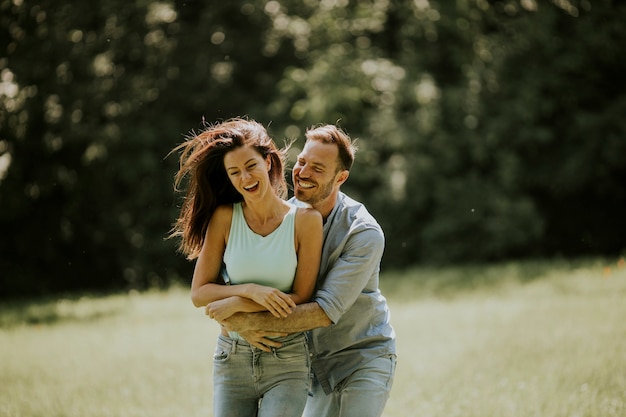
(250, 187)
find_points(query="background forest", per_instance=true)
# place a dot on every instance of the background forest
(488, 130)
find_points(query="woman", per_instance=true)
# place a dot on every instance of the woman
(234, 214)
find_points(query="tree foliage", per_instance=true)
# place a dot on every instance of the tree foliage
(486, 129)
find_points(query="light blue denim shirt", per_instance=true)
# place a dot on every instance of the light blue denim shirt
(347, 291)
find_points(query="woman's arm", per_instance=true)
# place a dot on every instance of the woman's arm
(308, 243)
(204, 286)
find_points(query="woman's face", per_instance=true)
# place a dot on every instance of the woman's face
(247, 171)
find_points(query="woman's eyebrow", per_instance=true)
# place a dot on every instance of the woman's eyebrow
(245, 163)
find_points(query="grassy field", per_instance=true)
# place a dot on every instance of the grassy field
(521, 339)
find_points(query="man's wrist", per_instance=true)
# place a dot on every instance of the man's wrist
(236, 323)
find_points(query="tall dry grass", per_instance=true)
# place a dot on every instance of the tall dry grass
(516, 340)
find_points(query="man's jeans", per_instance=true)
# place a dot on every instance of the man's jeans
(362, 394)
(246, 379)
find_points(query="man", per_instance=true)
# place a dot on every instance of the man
(352, 342)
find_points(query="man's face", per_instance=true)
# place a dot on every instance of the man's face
(315, 173)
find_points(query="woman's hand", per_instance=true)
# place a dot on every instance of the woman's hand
(222, 309)
(275, 301)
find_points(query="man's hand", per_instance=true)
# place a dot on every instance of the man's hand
(238, 322)
(259, 339)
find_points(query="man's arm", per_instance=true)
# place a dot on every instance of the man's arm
(304, 317)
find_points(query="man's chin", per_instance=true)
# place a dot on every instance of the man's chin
(302, 196)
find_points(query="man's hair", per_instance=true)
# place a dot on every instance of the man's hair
(335, 135)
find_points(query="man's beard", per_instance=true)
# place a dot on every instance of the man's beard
(322, 192)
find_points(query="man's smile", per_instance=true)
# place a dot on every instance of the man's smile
(305, 184)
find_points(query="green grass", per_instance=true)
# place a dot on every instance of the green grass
(521, 339)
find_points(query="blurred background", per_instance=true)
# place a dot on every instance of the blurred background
(487, 130)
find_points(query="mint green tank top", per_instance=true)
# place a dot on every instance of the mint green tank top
(265, 260)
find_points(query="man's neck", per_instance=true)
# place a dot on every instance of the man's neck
(326, 207)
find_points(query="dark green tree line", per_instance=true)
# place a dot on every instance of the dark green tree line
(487, 129)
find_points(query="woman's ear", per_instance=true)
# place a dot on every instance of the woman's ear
(268, 162)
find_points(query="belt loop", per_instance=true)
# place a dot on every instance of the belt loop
(234, 341)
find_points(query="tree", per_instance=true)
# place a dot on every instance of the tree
(486, 129)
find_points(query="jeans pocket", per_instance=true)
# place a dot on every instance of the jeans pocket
(223, 351)
(295, 351)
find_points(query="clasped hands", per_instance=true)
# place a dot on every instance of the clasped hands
(258, 298)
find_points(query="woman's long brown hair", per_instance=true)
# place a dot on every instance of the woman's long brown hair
(206, 182)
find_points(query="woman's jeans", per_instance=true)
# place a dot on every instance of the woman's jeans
(248, 382)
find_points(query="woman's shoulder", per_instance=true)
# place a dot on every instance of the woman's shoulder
(225, 208)
(308, 216)
(221, 220)
(223, 214)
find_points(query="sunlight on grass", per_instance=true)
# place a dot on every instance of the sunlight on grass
(151, 357)
(514, 340)
(553, 346)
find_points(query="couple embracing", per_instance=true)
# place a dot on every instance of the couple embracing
(294, 284)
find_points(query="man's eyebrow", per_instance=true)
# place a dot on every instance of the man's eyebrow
(314, 163)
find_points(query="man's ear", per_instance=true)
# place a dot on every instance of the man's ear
(343, 176)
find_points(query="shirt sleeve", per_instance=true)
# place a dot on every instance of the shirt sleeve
(355, 271)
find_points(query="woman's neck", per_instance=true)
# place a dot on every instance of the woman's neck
(266, 211)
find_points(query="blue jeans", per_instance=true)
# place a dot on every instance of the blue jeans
(248, 382)
(362, 394)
